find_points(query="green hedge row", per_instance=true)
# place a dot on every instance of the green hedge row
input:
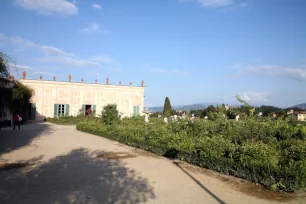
(272, 153)
(70, 120)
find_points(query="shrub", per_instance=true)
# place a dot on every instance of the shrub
(270, 152)
(110, 114)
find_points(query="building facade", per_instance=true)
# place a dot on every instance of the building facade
(57, 98)
(300, 115)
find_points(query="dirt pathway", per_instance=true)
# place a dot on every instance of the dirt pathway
(46, 163)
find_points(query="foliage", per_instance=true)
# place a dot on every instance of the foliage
(110, 114)
(249, 110)
(70, 120)
(20, 97)
(267, 151)
(155, 114)
(211, 108)
(167, 108)
(16, 97)
(21, 92)
(13, 94)
(4, 65)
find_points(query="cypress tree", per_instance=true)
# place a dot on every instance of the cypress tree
(167, 108)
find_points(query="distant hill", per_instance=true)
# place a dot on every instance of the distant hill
(301, 106)
(156, 109)
(184, 107)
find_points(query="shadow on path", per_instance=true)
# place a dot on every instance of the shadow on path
(200, 184)
(79, 177)
(14, 139)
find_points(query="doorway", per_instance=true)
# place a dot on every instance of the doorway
(88, 111)
(31, 111)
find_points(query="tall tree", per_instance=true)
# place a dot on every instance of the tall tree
(4, 65)
(167, 108)
(211, 108)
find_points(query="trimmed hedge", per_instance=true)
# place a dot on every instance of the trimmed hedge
(70, 120)
(270, 152)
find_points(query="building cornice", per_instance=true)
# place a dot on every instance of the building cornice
(80, 84)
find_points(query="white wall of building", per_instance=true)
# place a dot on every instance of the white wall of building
(48, 93)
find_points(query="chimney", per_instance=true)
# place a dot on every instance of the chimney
(40, 77)
(142, 83)
(130, 83)
(82, 80)
(69, 78)
(54, 78)
(24, 75)
(107, 81)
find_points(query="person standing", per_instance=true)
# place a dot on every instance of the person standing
(17, 120)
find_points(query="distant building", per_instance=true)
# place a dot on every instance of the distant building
(299, 115)
(274, 115)
(290, 112)
(59, 98)
(227, 107)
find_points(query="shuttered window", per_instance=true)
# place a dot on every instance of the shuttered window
(61, 110)
(135, 111)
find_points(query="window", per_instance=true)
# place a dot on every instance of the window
(61, 109)
(136, 111)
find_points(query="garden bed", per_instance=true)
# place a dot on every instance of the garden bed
(271, 152)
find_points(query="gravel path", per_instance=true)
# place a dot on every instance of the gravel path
(46, 163)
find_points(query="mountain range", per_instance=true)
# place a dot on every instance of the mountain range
(301, 106)
(196, 106)
(199, 106)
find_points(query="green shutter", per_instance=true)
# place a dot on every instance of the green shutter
(94, 110)
(67, 110)
(134, 111)
(83, 108)
(55, 110)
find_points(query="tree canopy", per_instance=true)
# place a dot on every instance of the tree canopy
(110, 114)
(4, 65)
(13, 94)
(167, 108)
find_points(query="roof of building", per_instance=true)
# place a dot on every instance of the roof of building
(80, 83)
(299, 112)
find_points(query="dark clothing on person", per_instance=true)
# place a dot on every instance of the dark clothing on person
(16, 123)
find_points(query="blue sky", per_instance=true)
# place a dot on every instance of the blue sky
(192, 51)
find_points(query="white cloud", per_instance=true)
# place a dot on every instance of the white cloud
(72, 61)
(96, 6)
(243, 5)
(214, 3)
(19, 40)
(17, 69)
(93, 28)
(274, 71)
(53, 51)
(49, 7)
(166, 71)
(211, 3)
(53, 54)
